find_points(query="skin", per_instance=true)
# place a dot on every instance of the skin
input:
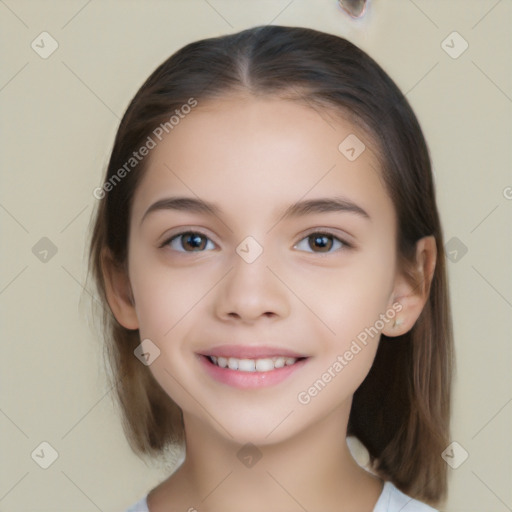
(253, 157)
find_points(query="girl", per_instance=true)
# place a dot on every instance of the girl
(268, 249)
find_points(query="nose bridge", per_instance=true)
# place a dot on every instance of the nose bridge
(250, 290)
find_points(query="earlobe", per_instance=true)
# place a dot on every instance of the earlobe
(410, 295)
(119, 292)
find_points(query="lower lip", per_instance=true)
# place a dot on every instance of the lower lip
(249, 380)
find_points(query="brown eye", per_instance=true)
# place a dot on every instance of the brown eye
(190, 241)
(321, 243)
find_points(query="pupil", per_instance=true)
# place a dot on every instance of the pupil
(323, 242)
(195, 241)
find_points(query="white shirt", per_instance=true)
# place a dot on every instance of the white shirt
(390, 500)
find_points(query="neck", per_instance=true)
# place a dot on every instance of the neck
(312, 469)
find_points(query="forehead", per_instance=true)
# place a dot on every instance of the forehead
(242, 151)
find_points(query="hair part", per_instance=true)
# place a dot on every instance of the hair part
(401, 411)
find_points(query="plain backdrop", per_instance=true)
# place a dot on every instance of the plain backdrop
(59, 115)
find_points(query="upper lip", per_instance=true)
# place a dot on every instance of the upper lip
(250, 352)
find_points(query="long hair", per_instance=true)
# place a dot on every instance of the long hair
(401, 410)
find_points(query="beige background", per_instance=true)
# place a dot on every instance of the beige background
(59, 117)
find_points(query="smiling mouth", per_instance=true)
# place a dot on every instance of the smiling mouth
(254, 365)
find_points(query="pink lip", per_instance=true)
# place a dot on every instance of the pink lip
(249, 380)
(250, 352)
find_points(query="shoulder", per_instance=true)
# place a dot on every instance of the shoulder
(394, 500)
(140, 506)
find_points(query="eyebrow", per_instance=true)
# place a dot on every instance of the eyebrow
(299, 209)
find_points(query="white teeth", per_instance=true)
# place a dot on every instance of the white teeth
(233, 363)
(246, 365)
(253, 365)
(264, 365)
(279, 362)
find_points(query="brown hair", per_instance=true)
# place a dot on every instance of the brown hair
(401, 410)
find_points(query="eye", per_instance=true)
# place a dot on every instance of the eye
(321, 242)
(190, 241)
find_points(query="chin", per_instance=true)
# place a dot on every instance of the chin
(263, 430)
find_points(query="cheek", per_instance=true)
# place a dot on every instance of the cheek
(347, 299)
(164, 296)
(166, 303)
(354, 310)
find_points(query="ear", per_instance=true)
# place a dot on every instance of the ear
(118, 291)
(413, 296)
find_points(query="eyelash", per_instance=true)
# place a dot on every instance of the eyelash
(345, 245)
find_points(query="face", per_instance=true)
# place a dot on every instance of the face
(294, 298)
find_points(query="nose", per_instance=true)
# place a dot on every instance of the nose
(250, 292)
